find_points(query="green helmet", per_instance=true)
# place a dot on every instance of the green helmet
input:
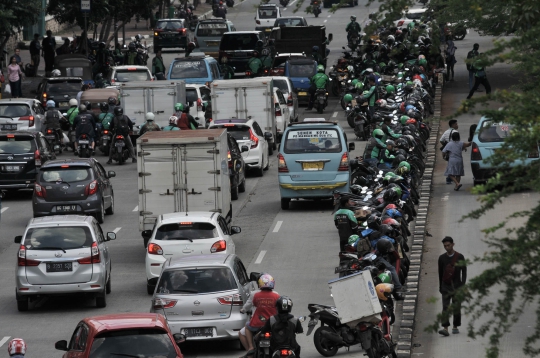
(382, 64)
(405, 164)
(390, 89)
(353, 239)
(365, 93)
(410, 83)
(320, 68)
(422, 62)
(348, 98)
(179, 107)
(378, 133)
(403, 119)
(397, 190)
(354, 82)
(385, 278)
(400, 75)
(359, 86)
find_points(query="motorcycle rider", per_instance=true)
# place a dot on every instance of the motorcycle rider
(122, 125)
(374, 147)
(17, 348)
(73, 110)
(149, 126)
(317, 56)
(389, 133)
(185, 121)
(283, 327)
(228, 71)
(131, 56)
(386, 156)
(53, 117)
(221, 11)
(84, 123)
(353, 29)
(105, 117)
(318, 81)
(372, 94)
(172, 124)
(100, 82)
(345, 221)
(254, 64)
(384, 247)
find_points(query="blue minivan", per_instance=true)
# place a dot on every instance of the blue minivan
(313, 161)
(300, 72)
(488, 136)
(196, 69)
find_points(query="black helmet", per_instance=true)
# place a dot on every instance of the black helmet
(82, 108)
(315, 48)
(132, 46)
(102, 45)
(259, 44)
(138, 37)
(118, 111)
(384, 246)
(386, 230)
(99, 77)
(402, 143)
(390, 196)
(390, 142)
(284, 304)
(88, 105)
(111, 101)
(104, 107)
(361, 180)
(374, 222)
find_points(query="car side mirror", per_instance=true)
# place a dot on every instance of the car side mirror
(235, 230)
(179, 338)
(351, 146)
(18, 239)
(111, 236)
(254, 276)
(61, 345)
(267, 135)
(147, 234)
(244, 148)
(111, 174)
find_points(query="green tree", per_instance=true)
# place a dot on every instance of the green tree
(14, 15)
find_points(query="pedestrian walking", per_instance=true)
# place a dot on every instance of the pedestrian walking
(446, 137)
(48, 47)
(158, 66)
(14, 76)
(35, 49)
(17, 55)
(470, 55)
(455, 169)
(451, 277)
(450, 59)
(480, 77)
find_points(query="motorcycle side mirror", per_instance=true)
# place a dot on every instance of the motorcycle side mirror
(343, 47)
(330, 37)
(351, 146)
(301, 319)
(111, 174)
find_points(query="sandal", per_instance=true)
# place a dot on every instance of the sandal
(458, 187)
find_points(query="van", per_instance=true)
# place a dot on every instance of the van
(197, 69)
(313, 161)
(238, 46)
(208, 35)
(267, 14)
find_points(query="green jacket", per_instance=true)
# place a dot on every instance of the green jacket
(105, 119)
(157, 65)
(372, 96)
(319, 80)
(353, 26)
(349, 213)
(255, 65)
(72, 113)
(479, 69)
(386, 156)
(171, 128)
(373, 148)
(130, 58)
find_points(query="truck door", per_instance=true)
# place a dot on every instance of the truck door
(134, 103)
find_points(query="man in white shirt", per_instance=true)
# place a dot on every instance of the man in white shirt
(445, 138)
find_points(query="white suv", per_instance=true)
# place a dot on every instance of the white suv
(182, 234)
(248, 133)
(198, 97)
(266, 17)
(285, 85)
(283, 115)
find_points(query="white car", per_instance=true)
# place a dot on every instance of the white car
(283, 115)
(121, 74)
(248, 133)
(266, 17)
(410, 15)
(285, 85)
(182, 234)
(198, 96)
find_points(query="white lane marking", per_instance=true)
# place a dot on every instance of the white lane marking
(334, 115)
(292, 2)
(260, 257)
(136, 208)
(116, 230)
(284, 9)
(329, 16)
(4, 340)
(278, 226)
(4, 209)
(325, 20)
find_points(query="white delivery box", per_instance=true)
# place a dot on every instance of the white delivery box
(355, 298)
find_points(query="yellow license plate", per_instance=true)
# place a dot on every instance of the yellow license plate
(302, 93)
(313, 166)
(267, 30)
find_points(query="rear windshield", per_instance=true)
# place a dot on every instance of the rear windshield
(189, 231)
(494, 131)
(196, 280)
(312, 141)
(280, 60)
(17, 145)
(212, 29)
(191, 95)
(189, 69)
(282, 85)
(238, 132)
(307, 70)
(169, 25)
(238, 42)
(265, 13)
(143, 343)
(414, 15)
(14, 110)
(59, 237)
(63, 87)
(288, 22)
(68, 175)
(74, 72)
(133, 75)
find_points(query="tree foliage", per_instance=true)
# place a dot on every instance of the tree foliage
(16, 14)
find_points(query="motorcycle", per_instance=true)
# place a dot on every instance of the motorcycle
(104, 142)
(284, 2)
(229, 3)
(83, 144)
(321, 99)
(354, 41)
(121, 150)
(316, 8)
(52, 137)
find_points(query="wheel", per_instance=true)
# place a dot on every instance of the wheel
(316, 14)
(110, 209)
(350, 119)
(259, 172)
(270, 150)
(242, 186)
(320, 108)
(150, 289)
(22, 304)
(324, 346)
(267, 164)
(234, 192)
(100, 216)
(101, 299)
(285, 203)
(108, 286)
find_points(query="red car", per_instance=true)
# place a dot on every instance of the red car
(123, 334)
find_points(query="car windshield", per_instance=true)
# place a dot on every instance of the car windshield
(138, 342)
(132, 75)
(186, 231)
(17, 145)
(312, 141)
(494, 131)
(68, 175)
(267, 13)
(58, 237)
(414, 15)
(196, 280)
(189, 69)
(212, 29)
(15, 110)
(238, 132)
(282, 85)
(238, 42)
(302, 70)
(169, 25)
(191, 95)
(288, 22)
(63, 87)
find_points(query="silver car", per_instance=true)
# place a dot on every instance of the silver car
(287, 88)
(201, 296)
(23, 114)
(63, 255)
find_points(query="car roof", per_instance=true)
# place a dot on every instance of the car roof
(230, 120)
(199, 260)
(47, 79)
(301, 61)
(415, 10)
(87, 162)
(322, 122)
(290, 17)
(268, 5)
(28, 133)
(183, 20)
(205, 216)
(289, 54)
(60, 219)
(196, 55)
(255, 32)
(29, 101)
(119, 321)
(126, 67)
(214, 20)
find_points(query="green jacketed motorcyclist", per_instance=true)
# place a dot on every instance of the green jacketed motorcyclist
(254, 64)
(353, 28)
(318, 81)
(105, 117)
(73, 110)
(374, 146)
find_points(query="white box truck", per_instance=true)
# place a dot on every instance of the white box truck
(250, 98)
(182, 171)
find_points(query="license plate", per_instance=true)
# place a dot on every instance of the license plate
(341, 268)
(267, 30)
(8, 127)
(49, 136)
(199, 332)
(313, 166)
(119, 144)
(11, 168)
(302, 93)
(265, 343)
(66, 208)
(212, 43)
(83, 141)
(59, 267)
(106, 137)
(64, 104)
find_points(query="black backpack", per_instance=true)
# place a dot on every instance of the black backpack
(283, 333)
(122, 126)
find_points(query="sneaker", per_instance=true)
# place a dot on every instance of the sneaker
(444, 332)
(109, 161)
(455, 330)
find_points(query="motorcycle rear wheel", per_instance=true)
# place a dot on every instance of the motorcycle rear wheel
(323, 346)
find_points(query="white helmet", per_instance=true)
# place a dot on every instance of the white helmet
(150, 116)
(17, 346)
(73, 102)
(56, 73)
(173, 120)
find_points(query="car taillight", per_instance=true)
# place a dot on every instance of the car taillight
(157, 31)
(232, 300)
(254, 139)
(155, 249)
(344, 164)
(475, 152)
(400, 23)
(160, 303)
(23, 261)
(199, 104)
(30, 120)
(37, 158)
(278, 110)
(91, 188)
(285, 352)
(44, 100)
(95, 258)
(182, 31)
(248, 73)
(218, 246)
(282, 165)
(229, 159)
(39, 190)
(290, 100)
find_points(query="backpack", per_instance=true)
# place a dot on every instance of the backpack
(283, 333)
(106, 120)
(122, 126)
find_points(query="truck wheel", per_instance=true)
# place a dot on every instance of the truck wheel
(285, 203)
(242, 186)
(234, 192)
(150, 289)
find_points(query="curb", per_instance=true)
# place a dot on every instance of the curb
(405, 334)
